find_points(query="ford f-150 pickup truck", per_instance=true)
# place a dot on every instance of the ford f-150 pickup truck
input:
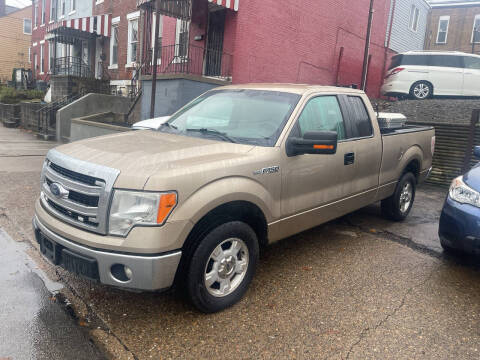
(240, 167)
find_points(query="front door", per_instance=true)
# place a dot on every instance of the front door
(471, 83)
(98, 58)
(214, 52)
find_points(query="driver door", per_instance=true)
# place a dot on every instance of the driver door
(311, 181)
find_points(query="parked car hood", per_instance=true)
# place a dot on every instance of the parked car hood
(472, 178)
(140, 154)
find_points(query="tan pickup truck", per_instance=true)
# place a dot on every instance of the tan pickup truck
(234, 170)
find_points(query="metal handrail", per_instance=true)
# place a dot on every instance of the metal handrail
(73, 66)
(192, 60)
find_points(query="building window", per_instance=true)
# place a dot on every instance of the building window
(414, 16)
(27, 26)
(62, 8)
(476, 30)
(73, 5)
(41, 59)
(29, 54)
(181, 40)
(43, 12)
(442, 34)
(132, 41)
(51, 57)
(35, 62)
(35, 16)
(160, 35)
(53, 10)
(114, 47)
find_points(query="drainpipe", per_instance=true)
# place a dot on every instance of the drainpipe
(387, 47)
(367, 46)
(155, 57)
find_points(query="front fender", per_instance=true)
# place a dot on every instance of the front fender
(223, 191)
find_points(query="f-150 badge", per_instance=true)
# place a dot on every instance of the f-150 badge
(267, 170)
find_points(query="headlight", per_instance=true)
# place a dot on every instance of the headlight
(461, 193)
(130, 208)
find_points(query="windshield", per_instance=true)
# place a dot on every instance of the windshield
(241, 116)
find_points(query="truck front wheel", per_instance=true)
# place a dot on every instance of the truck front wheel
(222, 267)
(398, 206)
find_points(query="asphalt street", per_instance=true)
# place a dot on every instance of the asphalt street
(33, 324)
(360, 287)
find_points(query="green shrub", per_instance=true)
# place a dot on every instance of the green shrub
(9, 95)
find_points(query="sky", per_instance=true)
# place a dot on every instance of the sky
(19, 3)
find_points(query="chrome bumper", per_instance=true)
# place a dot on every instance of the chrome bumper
(148, 272)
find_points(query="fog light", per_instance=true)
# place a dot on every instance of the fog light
(121, 272)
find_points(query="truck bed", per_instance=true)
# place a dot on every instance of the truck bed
(404, 130)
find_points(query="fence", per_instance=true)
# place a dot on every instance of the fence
(454, 149)
(10, 114)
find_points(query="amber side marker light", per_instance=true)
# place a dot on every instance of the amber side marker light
(323, 147)
(167, 203)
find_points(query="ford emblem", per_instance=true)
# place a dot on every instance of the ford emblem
(58, 190)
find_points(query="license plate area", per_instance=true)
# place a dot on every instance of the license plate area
(59, 255)
(79, 264)
(49, 249)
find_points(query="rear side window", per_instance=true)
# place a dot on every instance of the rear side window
(472, 62)
(396, 62)
(361, 123)
(446, 61)
(419, 60)
(322, 114)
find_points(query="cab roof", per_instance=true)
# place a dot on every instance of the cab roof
(300, 89)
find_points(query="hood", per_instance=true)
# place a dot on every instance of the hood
(140, 154)
(472, 178)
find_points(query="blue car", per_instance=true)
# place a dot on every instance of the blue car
(459, 228)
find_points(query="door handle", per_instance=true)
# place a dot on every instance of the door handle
(349, 158)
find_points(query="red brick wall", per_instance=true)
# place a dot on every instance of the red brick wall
(38, 34)
(118, 8)
(300, 41)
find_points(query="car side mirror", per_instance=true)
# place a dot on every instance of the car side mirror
(314, 142)
(476, 152)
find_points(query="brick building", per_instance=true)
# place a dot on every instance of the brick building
(452, 26)
(311, 41)
(15, 30)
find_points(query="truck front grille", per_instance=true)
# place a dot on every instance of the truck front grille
(78, 199)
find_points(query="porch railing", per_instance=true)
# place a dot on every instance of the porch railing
(73, 66)
(190, 60)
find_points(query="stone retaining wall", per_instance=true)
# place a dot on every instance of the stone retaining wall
(448, 111)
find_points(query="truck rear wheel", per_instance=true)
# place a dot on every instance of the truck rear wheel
(398, 206)
(222, 267)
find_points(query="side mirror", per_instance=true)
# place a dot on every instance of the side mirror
(476, 152)
(315, 142)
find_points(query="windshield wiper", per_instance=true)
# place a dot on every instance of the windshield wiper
(169, 125)
(213, 132)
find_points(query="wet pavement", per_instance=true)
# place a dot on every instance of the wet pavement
(32, 324)
(359, 287)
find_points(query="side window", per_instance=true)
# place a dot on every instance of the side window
(362, 125)
(418, 60)
(322, 114)
(446, 61)
(472, 62)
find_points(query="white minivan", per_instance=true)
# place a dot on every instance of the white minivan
(423, 74)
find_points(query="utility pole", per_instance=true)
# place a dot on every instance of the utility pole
(367, 46)
(155, 57)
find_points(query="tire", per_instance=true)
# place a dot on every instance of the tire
(398, 206)
(222, 267)
(421, 90)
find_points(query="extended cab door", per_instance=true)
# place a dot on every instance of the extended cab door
(366, 141)
(471, 83)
